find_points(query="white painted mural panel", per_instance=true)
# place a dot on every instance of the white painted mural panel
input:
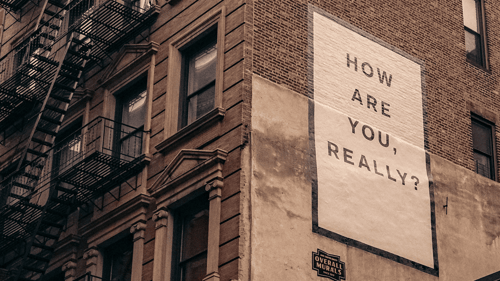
(372, 183)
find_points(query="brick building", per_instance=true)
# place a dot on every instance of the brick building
(249, 140)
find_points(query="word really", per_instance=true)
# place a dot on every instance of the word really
(347, 155)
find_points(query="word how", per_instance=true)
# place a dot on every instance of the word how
(368, 70)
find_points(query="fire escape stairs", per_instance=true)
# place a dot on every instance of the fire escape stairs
(40, 223)
(32, 218)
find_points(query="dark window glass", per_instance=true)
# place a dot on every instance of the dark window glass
(131, 112)
(23, 53)
(134, 106)
(118, 260)
(473, 22)
(191, 239)
(67, 150)
(55, 275)
(473, 47)
(482, 141)
(138, 5)
(200, 61)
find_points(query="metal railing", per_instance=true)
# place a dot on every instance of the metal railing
(88, 277)
(75, 15)
(116, 142)
(80, 11)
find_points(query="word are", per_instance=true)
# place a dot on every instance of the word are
(369, 133)
(347, 155)
(371, 102)
(368, 70)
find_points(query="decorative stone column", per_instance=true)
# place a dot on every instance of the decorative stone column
(214, 188)
(160, 272)
(138, 230)
(69, 269)
(94, 261)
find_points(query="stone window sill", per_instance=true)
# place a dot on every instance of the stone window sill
(214, 116)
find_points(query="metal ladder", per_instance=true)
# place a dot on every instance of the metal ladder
(35, 218)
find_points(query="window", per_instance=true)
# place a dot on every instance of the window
(483, 147)
(138, 5)
(198, 78)
(191, 241)
(68, 148)
(55, 275)
(475, 42)
(130, 113)
(23, 54)
(117, 264)
(195, 83)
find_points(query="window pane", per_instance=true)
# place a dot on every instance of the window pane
(68, 148)
(194, 234)
(119, 259)
(470, 14)
(201, 104)
(121, 266)
(201, 66)
(482, 138)
(195, 269)
(473, 47)
(69, 153)
(482, 163)
(134, 109)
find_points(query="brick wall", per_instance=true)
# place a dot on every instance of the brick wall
(429, 30)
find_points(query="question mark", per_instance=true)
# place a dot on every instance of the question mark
(416, 182)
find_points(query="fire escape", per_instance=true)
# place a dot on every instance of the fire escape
(52, 179)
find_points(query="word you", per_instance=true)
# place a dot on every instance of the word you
(369, 133)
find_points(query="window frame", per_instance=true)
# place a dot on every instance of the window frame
(73, 127)
(192, 173)
(173, 112)
(198, 204)
(108, 255)
(119, 74)
(493, 160)
(207, 37)
(120, 96)
(481, 21)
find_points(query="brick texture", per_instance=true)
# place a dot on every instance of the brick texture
(429, 30)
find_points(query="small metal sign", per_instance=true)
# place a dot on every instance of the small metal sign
(328, 266)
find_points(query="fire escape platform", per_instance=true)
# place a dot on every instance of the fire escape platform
(55, 176)
(96, 159)
(13, 4)
(26, 86)
(111, 24)
(98, 173)
(103, 28)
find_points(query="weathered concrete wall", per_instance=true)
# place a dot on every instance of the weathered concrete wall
(282, 240)
(468, 235)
